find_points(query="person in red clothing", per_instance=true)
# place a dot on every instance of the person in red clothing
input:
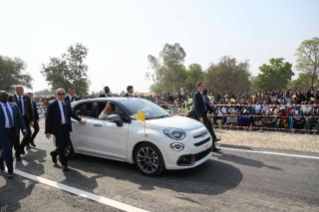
(283, 120)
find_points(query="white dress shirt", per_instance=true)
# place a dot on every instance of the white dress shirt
(22, 102)
(7, 125)
(62, 112)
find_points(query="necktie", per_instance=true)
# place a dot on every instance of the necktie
(66, 116)
(9, 116)
(20, 105)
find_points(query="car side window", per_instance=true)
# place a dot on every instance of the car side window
(85, 109)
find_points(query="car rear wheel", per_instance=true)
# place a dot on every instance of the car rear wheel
(148, 159)
(69, 151)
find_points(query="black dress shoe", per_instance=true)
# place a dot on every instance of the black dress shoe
(65, 168)
(18, 158)
(216, 149)
(22, 151)
(217, 139)
(10, 176)
(2, 166)
(33, 144)
(54, 160)
(28, 146)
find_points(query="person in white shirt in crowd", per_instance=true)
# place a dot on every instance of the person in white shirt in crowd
(220, 115)
(108, 110)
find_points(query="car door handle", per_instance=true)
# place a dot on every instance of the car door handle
(97, 125)
(73, 122)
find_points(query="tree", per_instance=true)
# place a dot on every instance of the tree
(303, 82)
(169, 69)
(193, 75)
(277, 74)
(12, 73)
(227, 75)
(253, 83)
(308, 58)
(68, 71)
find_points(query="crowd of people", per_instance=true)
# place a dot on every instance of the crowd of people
(275, 108)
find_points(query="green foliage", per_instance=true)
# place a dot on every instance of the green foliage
(227, 75)
(68, 71)
(277, 74)
(308, 58)
(193, 75)
(303, 82)
(253, 84)
(168, 70)
(12, 73)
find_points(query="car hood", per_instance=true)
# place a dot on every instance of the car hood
(180, 122)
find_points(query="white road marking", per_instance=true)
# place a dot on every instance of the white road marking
(271, 153)
(81, 193)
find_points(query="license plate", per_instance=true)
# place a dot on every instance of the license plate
(207, 146)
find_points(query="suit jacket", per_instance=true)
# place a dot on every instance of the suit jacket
(68, 98)
(35, 111)
(198, 110)
(103, 95)
(127, 95)
(53, 119)
(28, 109)
(17, 119)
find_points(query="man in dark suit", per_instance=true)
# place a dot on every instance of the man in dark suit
(199, 111)
(36, 121)
(58, 123)
(10, 123)
(71, 96)
(106, 92)
(130, 91)
(24, 104)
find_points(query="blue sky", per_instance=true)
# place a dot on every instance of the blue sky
(121, 34)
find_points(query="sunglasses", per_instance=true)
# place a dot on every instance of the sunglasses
(61, 94)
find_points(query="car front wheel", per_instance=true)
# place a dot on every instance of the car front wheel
(69, 151)
(148, 159)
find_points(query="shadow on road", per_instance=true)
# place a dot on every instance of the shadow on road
(244, 161)
(211, 178)
(14, 191)
(35, 159)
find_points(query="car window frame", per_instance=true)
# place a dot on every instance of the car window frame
(94, 109)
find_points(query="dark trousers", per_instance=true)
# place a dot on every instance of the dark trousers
(35, 132)
(26, 140)
(62, 141)
(209, 127)
(6, 142)
(295, 123)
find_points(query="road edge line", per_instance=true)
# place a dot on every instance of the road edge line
(97, 198)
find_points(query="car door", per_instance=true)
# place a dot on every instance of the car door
(111, 140)
(82, 137)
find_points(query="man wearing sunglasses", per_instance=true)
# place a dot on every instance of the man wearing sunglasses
(10, 123)
(58, 123)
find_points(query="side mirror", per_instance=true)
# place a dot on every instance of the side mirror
(115, 119)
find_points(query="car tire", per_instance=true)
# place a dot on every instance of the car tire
(69, 151)
(148, 159)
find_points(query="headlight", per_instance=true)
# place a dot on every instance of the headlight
(174, 133)
(177, 146)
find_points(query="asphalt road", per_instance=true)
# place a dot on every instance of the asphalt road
(229, 181)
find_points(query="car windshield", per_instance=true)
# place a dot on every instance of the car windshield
(152, 111)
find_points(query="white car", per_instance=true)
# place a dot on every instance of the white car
(162, 142)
